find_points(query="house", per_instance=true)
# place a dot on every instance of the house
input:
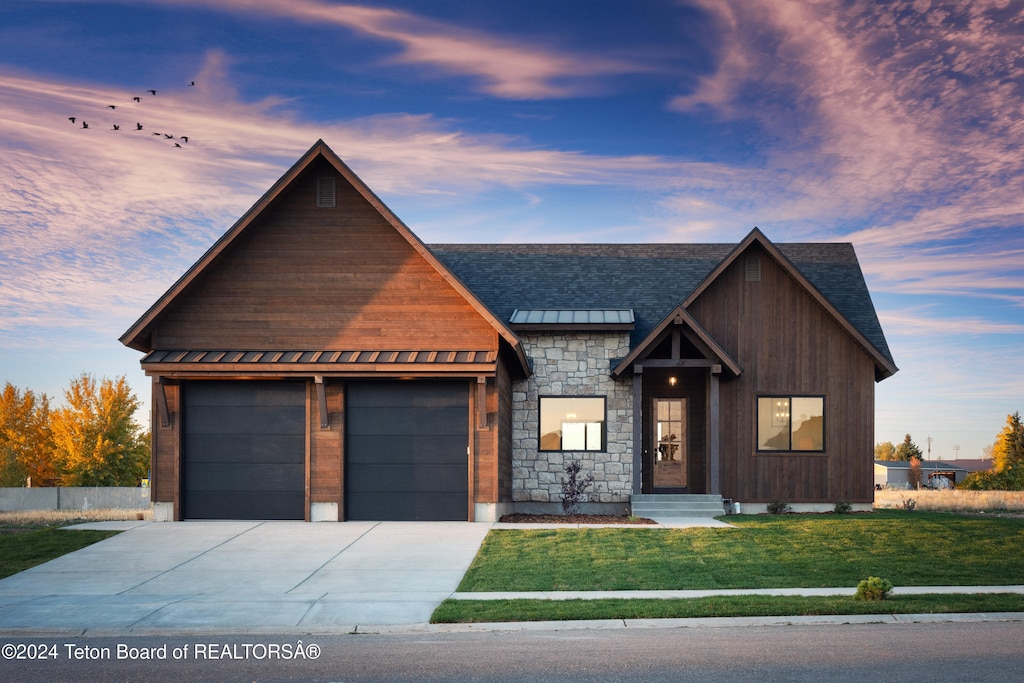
(895, 474)
(320, 362)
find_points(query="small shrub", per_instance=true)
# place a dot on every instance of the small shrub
(574, 489)
(908, 504)
(778, 507)
(842, 508)
(874, 588)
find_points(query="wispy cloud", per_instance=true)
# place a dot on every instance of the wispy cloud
(98, 222)
(903, 116)
(502, 67)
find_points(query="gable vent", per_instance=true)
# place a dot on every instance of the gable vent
(325, 197)
(753, 271)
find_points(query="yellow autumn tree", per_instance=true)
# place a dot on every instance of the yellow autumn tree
(26, 452)
(1008, 450)
(96, 439)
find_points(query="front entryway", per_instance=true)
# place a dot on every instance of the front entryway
(406, 450)
(670, 440)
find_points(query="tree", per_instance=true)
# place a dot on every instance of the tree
(1007, 473)
(1008, 450)
(26, 451)
(96, 439)
(915, 477)
(885, 451)
(907, 450)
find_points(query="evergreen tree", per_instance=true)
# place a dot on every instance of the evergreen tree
(1008, 450)
(907, 450)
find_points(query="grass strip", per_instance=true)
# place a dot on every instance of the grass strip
(491, 611)
(764, 551)
(25, 549)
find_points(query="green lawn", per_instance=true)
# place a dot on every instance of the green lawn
(487, 611)
(765, 551)
(21, 549)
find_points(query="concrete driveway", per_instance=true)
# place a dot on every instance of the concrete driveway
(245, 576)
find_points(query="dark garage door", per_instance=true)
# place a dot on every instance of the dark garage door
(405, 450)
(244, 450)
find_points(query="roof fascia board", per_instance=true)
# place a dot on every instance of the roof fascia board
(681, 315)
(882, 366)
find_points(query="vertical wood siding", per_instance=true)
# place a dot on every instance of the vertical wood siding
(302, 277)
(789, 344)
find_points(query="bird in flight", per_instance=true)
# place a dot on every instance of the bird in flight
(156, 133)
(138, 126)
(71, 119)
(169, 137)
(192, 83)
(185, 138)
(151, 92)
(111, 106)
(177, 145)
(137, 99)
(117, 127)
(84, 124)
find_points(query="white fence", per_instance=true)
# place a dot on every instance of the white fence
(74, 498)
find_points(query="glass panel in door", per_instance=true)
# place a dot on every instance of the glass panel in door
(670, 457)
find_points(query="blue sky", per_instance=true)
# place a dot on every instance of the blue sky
(896, 126)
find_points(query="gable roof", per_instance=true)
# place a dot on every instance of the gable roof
(842, 282)
(138, 335)
(681, 316)
(652, 279)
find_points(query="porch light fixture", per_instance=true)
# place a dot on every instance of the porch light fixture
(672, 381)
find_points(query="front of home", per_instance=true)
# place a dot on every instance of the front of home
(320, 362)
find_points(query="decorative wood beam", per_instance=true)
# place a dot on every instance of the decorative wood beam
(681, 363)
(161, 403)
(481, 402)
(321, 399)
(715, 484)
(638, 440)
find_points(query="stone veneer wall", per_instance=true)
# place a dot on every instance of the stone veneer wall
(572, 364)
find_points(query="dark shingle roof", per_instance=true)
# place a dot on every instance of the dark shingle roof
(651, 279)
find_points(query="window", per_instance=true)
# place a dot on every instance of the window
(570, 423)
(791, 423)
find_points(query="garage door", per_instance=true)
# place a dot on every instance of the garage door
(405, 450)
(244, 450)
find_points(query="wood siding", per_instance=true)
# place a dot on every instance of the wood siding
(165, 446)
(326, 446)
(788, 344)
(503, 433)
(302, 277)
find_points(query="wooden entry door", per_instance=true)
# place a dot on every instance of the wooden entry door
(669, 437)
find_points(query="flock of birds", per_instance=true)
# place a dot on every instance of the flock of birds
(138, 126)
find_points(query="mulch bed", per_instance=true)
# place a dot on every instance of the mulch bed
(521, 518)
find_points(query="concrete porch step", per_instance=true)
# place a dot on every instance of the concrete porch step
(676, 505)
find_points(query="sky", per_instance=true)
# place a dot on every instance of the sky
(897, 126)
